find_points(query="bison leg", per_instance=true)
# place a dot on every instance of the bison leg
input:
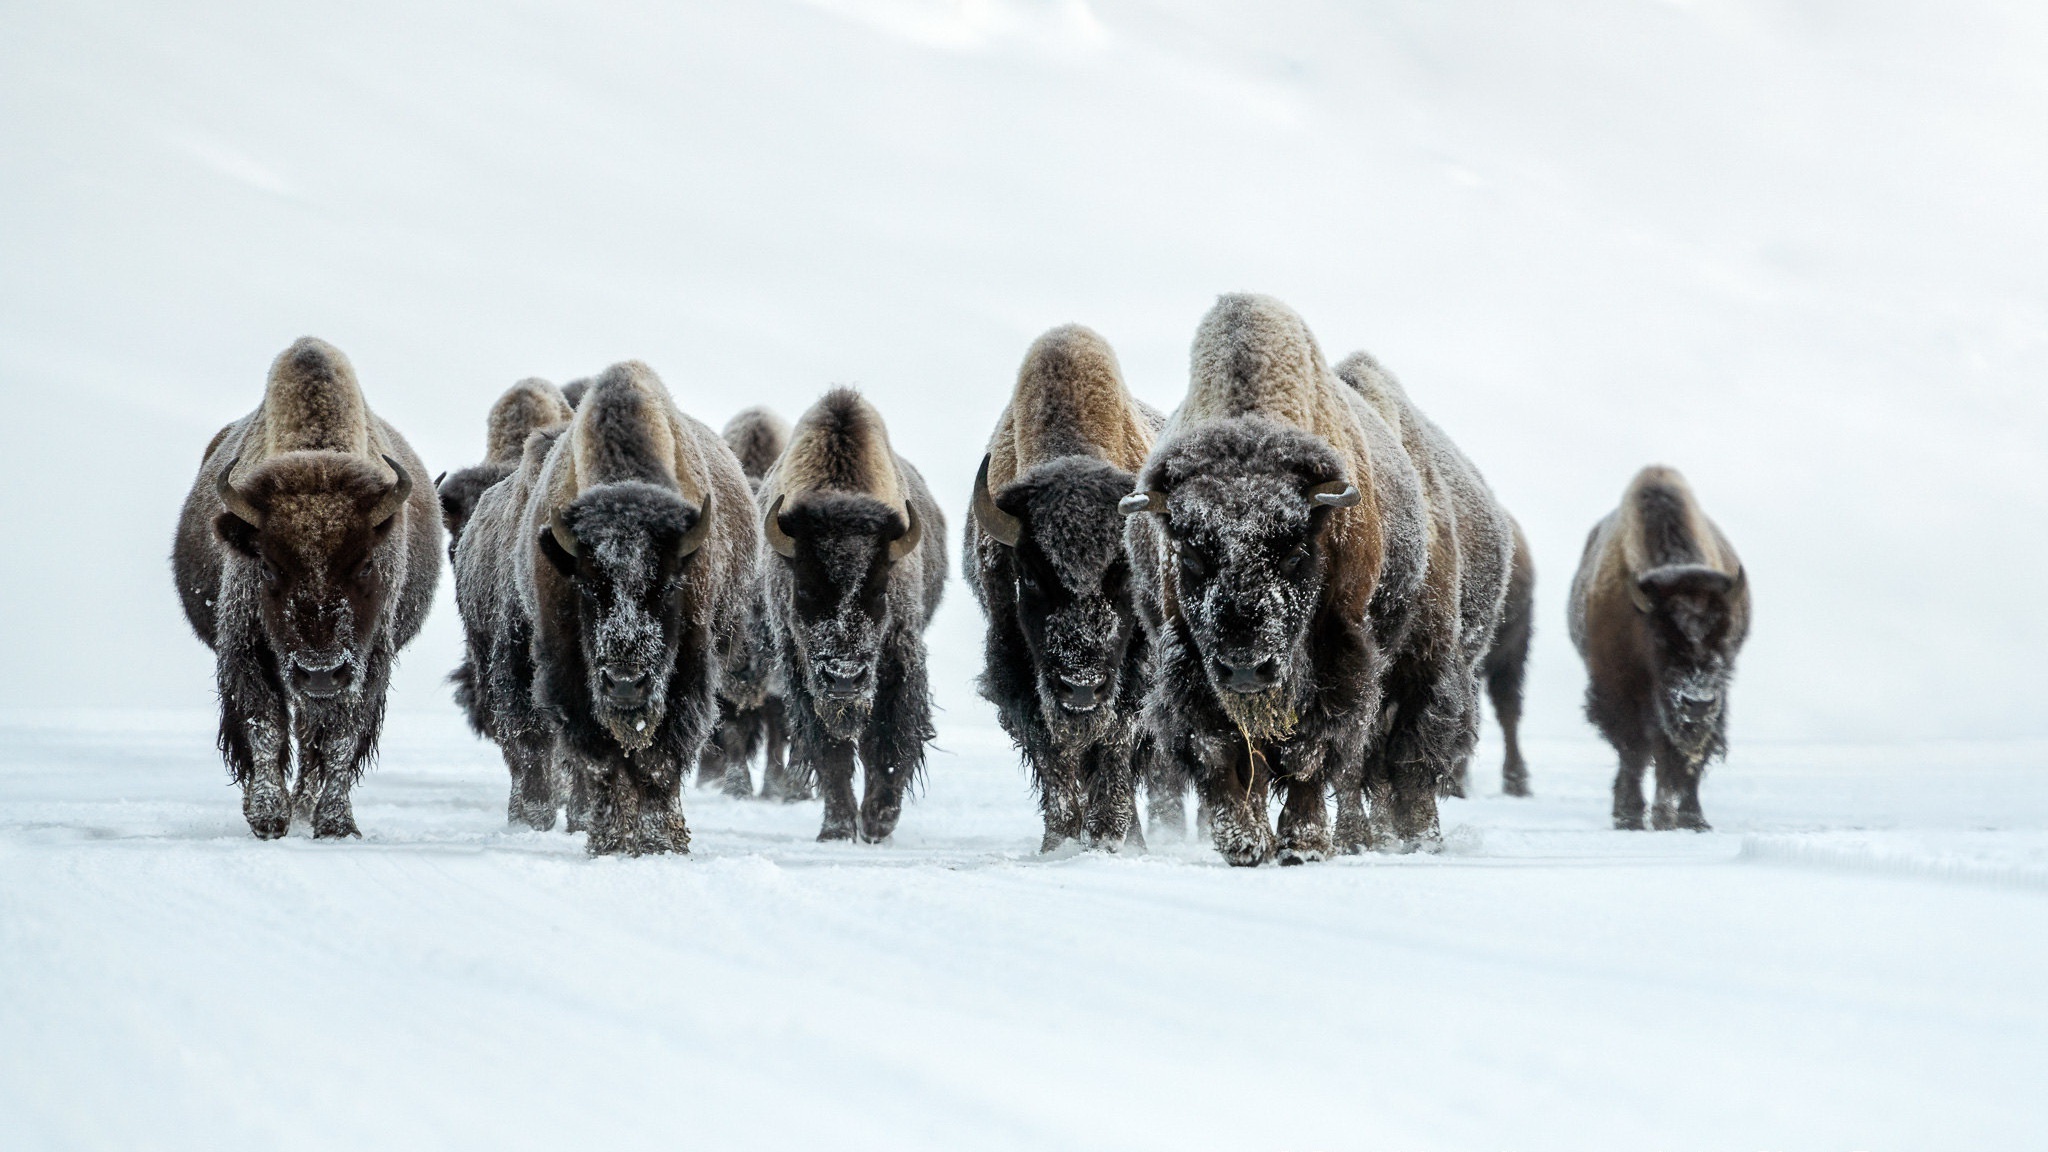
(778, 781)
(1628, 789)
(636, 810)
(1235, 786)
(882, 802)
(1112, 793)
(255, 733)
(834, 767)
(1060, 801)
(332, 749)
(1678, 792)
(1304, 816)
(1504, 688)
(530, 760)
(1166, 799)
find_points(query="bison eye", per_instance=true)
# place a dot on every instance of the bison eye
(1028, 580)
(1193, 564)
(271, 578)
(1294, 561)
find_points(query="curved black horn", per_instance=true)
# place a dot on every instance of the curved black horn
(233, 498)
(999, 525)
(905, 544)
(395, 499)
(700, 531)
(1336, 494)
(1149, 501)
(779, 540)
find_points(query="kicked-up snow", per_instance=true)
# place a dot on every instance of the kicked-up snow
(1852, 959)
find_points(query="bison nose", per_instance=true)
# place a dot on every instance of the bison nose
(622, 687)
(1080, 695)
(844, 681)
(319, 676)
(1249, 678)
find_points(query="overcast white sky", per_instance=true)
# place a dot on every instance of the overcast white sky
(1795, 249)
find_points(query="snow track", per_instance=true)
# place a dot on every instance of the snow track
(166, 981)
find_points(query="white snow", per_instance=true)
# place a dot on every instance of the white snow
(1852, 960)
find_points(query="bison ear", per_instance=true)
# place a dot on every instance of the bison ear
(237, 534)
(560, 557)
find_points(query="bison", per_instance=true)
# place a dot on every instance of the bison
(306, 558)
(1506, 663)
(860, 563)
(1065, 660)
(750, 704)
(612, 596)
(531, 405)
(1659, 609)
(1320, 572)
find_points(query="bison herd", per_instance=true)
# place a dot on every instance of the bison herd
(1289, 590)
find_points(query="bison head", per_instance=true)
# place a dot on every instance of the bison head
(1062, 553)
(312, 526)
(1242, 506)
(840, 549)
(626, 550)
(459, 493)
(1690, 611)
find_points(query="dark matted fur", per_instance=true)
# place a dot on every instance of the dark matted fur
(1659, 610)
(1064, 658)
(529, 406)
(750, 699)
(1351, 633)
(621, 602)
(319, 591)
(840, 606)
(1503, 670)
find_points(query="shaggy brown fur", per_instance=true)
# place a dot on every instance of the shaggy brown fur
(850, 591)
(1320, 571)
(1659, 610)
(529, 406)
(757, 436)
(306, 558)
(1064, 663)
(631, 566)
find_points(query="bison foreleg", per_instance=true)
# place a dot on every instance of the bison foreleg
(529, 757)
(1304, 816)
(1235, 785)
(833, 766)
(1112, 798)
(1628, 789)
(1166, 792)
(1678, 791)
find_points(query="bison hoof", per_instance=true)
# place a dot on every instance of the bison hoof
(835, 830)
(269, 827)
(540, 818)
(1628, 823)
(336, 828)
(1289, 857)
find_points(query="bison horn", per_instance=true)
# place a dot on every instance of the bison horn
(564, 538)
(699, 532)
(1336, 494)
(395, 498)
(905, 544)
(778, 539)
(1639, 597)
(1149, 501)
(1000, 525)
(233, 498)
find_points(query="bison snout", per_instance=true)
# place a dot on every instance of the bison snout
(1252, 677)
(844, 681)
(1081, 695)
(623, 687)
(320, 676)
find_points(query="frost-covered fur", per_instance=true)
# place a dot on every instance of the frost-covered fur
(1506, 662)
(307, 587)
(1301, 643)
(610, 641)
(1659, 609)
(529, 406)
(750, 698)
(1065, 660)
(495, 681)
(848, 616)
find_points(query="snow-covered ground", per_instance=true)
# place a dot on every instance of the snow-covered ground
(1852, 959)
